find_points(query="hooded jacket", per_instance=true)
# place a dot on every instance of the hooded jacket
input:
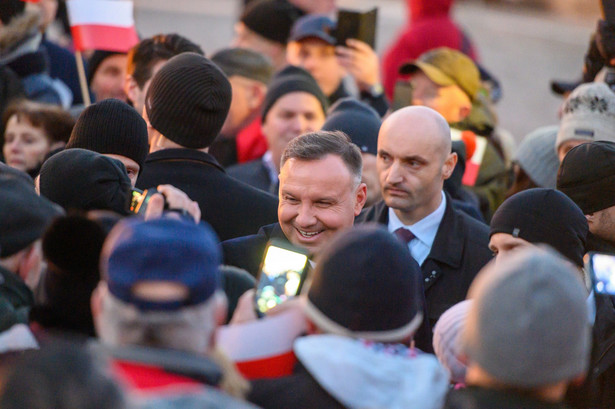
(340, 372)
(21, 51)
(429, 26)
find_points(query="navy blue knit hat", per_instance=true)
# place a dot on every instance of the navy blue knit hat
(357, 120)
(292, 79)
(366, 285)
(544, 216)
(161, 250)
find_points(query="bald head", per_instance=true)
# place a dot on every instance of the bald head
(414, 159)
(420, 122)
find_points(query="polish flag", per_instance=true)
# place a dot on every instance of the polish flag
(263, 348)
(102, 24)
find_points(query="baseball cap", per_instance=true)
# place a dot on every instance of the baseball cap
(445, 67)
(314, 26)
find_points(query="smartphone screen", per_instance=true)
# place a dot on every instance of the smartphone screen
(281, 276)
(138, 200)
(602, 268)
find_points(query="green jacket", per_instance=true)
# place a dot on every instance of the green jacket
(16, 299)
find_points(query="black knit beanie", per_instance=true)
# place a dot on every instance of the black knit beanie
(357, 120)
(111, 127)
(272, 19)
(587, 176)
(366, 285)
(292, 79)
(85, 180)
(544, 216)
(96, 59)
(188, 100)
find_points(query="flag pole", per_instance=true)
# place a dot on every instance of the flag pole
(85, 92)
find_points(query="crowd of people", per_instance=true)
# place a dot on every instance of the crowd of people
(447, 267)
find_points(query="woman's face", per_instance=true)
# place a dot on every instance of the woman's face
(25, 146)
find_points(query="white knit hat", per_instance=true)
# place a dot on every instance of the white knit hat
(447, 339)
(588, 114)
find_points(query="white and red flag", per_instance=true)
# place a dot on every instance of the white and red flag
(102, 24)
(263, 348)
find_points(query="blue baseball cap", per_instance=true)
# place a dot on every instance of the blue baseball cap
(314, 26)
(164, 250)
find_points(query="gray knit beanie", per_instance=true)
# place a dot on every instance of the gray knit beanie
(588, 115)
(537, 158)
(528, 325)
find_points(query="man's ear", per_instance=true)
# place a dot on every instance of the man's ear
(590, 218)
(257, 95)
(96, 301)
(221, 308)
(361, 198)
(449, 165)
(29, 268)
(464, 111)
(131, 88)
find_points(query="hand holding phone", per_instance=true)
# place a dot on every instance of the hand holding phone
(281, 276)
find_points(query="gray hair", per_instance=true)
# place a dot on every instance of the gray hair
(317, 145)
(189, 329)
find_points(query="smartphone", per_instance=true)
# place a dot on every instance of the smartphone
(602, 271)
(281, 275)
(138, 200)
(358, 25)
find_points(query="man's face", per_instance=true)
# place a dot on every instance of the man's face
(137, 94)
(244, 103)
(412, 169)
(450, 101)
(369, 176)
(602, 223)
(108, 80)
(502, 244)
(132, 167)
(317, 199)
(318, 58)
(292, 115)
(566, 146)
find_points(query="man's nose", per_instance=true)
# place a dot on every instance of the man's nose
(394, 173)
(306, 216)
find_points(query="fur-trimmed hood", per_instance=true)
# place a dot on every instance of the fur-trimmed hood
(21, 36)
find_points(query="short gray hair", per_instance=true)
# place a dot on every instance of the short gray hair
(317, 145)
(190, 329)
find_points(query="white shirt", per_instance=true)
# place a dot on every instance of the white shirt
(268, 162)
(424, 231)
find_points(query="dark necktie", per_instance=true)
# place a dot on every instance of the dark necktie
(404, 235)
